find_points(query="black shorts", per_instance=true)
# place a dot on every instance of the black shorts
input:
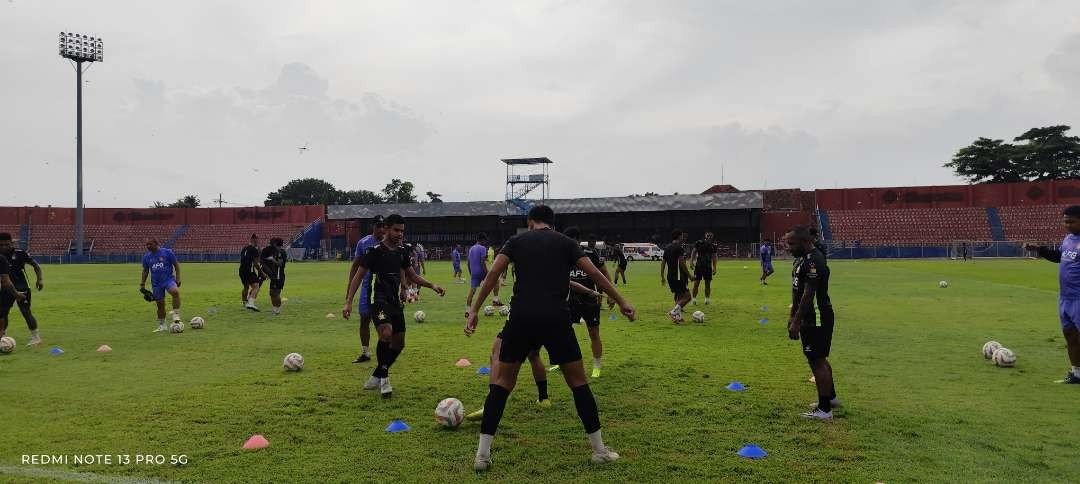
(589, 310)
(622, 266)
(277, 284)
(678, 286)
(523, 335)
(703, 272)
(252, 277)
(816, 335)
(6, 302)
(392, 314)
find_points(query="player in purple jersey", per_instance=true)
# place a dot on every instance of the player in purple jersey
(478, 269)
(159, 263)
(378, 227)
(766, 254)
(1069, 280)
(455, 258)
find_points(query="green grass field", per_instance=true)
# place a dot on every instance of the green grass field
(921, 403)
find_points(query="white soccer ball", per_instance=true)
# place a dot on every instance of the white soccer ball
(198, 323)
(699, 317)
(176, 327)
(489, 310)
(7, 344)
(505, 310)
(419, 316)
(943, 284)
(450, 412)
(989, 348)
(293, 362)
(1004, 358)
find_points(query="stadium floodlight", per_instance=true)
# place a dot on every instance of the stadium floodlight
(80, 48)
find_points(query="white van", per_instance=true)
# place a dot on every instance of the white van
(645, 251)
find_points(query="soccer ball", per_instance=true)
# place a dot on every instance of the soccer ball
(489, 310)
(450, 412)
(419, 316)
(1004, 358)
(176, 327)
(699, 317)
(293, 362)
(943, 284)
(198, 323)
(7, 344)
(505, 310)
(989, 348)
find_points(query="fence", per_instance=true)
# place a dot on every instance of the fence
(945, 251)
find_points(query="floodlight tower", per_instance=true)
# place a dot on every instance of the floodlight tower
(80, 48)
(523, 176)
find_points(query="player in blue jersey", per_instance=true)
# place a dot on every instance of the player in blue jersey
(1069, 280)
(160, 263)
(378, 227)
(766, 254)
(455, 258)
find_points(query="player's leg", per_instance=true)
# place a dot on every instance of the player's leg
(6, 301)
(385, 332)
(1070, 328)
(494, 405)
(495, 294)
(539, 372)
(160, 302)
(697, 281)
(592, 323)
(31, 321)
(275, 300)
(365, 336)
(708, 287)
(174, 293)
(472, 291)
(816, 343)
(563, 349)
(244, 291)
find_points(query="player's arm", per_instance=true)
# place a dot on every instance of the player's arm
(663, 271)
(176, 269)
(1052, 255)
(420, 281)
(37, 272)
(145, 272)
(490, 281)
(605, 285)
(578, 288)
(799, 311)
(350, 292)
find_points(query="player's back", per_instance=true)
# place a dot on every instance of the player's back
(542, 260)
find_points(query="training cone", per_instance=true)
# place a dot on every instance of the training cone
(462, 363)
(813, 379)
(735, 386)
(763, 320)
(765, 308)
(104, 349)
(483, 370)
(751, 451)
(613, 317)
(56, 351)
(211, 311)
(397, 426)
(330, 316)
(256, 442)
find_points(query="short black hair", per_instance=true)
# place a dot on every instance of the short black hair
(5, 236)
(1072, 211)
(543, 214)
(675, 234)
(481, 237)
(378, 221)
(572, 232)
(277, 241)
(395, 219)
(254, 236)
(801, 232)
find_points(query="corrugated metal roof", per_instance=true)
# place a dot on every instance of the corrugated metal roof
(661, 203)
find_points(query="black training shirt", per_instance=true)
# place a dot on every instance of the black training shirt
(17, 269)
(579, 276)
(5, 267)
(248, 256)
(385, 265)
(542, 261)
(619, 256)
(705, 250)
(273, 261)
(672, 255)
(809, 269)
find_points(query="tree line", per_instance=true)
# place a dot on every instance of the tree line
(313, 191)
(1046, 153)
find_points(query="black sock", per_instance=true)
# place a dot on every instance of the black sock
(31, 323)
(493, 409)
(823, 403)
(541, 390)
(586, 408)
(382, 354)
(392, 355)
(832, 391)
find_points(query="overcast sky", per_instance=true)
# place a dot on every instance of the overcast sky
(625, 96)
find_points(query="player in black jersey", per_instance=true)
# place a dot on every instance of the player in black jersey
(272, 259)
(9, 296)
(678, 275)
(541, 317)
(810, 285)
(704, 256)
(620, 263)
(583, 306)
(251, 273)
(18, 259)
(817, 242)
(388, 263)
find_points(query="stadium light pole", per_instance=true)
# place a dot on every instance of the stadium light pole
(80, 48)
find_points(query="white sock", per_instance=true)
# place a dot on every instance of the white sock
(1076, 371)
(251, 301)
(277, 309)
(597, 442)
(366, 351)
(176, 314)
(34, 335)
(161, 323)
(676, 310)
(485, 445)
(596, 362)
(706, 300)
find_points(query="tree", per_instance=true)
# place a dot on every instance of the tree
(435, 197)
(304, 191)
(359, 197)
(987, 160)
(398, 191)
(189, 201)
(1049, 154)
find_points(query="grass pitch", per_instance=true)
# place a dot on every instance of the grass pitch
(920, 402)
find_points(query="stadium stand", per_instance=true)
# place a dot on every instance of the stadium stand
(131, 239)
(1035, 223)
(909, 226)
(233, 237)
